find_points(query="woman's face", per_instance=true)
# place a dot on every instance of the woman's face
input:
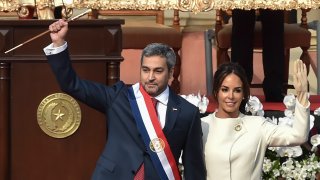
(230, 95)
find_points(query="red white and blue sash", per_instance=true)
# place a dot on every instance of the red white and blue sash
(151, 131)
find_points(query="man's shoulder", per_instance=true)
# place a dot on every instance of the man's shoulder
(185, 103)
(119, 86)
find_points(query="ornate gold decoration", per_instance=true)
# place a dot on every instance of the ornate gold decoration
(157, 145)
(194, 5)
(9, 5)
(23, 12)
(265, 4)
(183, 5)
(66, 12)
(127, 4)
(45, 9)
(59, 115)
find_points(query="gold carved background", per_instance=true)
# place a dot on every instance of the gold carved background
(46, 7)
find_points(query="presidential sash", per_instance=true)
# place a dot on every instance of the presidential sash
(150, 129)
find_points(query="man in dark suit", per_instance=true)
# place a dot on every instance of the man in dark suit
(141, 138)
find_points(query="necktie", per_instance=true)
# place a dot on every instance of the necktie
(155, 102)
(140, 173)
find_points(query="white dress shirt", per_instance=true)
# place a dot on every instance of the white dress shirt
(49, 50)
(162, 106)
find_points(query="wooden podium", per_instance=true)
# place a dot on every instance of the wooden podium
(26, 152)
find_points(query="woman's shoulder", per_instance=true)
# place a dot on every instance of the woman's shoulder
(207, 118)
(253, 120)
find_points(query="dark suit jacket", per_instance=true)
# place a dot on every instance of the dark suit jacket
(124, 150)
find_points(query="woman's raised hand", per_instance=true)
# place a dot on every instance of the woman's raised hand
(300, 82)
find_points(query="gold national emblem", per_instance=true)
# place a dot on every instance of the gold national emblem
(157, 145)
(59, 115)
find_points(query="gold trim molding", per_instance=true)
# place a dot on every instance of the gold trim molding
(183, 5)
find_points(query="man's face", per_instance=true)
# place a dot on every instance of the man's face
(154, 75)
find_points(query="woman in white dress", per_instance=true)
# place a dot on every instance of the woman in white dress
(234, 143)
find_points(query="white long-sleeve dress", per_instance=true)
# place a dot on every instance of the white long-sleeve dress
(234, 148)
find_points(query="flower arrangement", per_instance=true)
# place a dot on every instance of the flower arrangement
(287, 162)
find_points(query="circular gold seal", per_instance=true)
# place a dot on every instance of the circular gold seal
(157, 145)
(59, 115)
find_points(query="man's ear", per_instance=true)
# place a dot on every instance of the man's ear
(171, 71)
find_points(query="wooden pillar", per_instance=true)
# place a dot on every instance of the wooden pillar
(113, 72)
(4, 120)
(176, 20)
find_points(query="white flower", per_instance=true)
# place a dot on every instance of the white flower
(289, 101)
(272, 148)
(288, 113)
(267, 164)
(273, 120)
(295, 151)
(191, 98)
(254, 106)
(276, 173)
(288, 165)
(201, 102)
(317, 112)
(315, 141)
(311, 121)
(285, 121)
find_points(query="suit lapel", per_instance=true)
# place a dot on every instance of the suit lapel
(173, 109)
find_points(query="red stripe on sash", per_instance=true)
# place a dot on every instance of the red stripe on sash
(160, 134)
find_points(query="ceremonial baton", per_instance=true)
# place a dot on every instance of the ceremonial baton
(46, 32)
